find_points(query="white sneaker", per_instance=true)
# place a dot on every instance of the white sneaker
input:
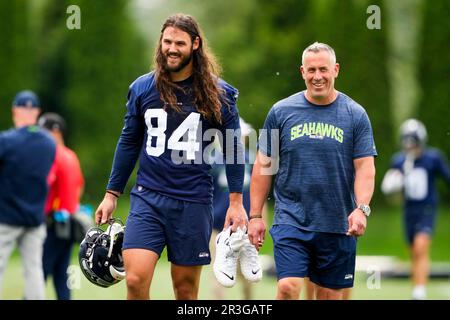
(227, 253)
(419, 293)
(249, 261)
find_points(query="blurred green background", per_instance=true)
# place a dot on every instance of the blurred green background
(396, 72)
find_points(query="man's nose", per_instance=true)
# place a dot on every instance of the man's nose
(317, 75)
(173, 48)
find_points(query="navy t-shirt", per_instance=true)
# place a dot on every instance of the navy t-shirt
(314, 185)
(420, 175)
(171, 145)
(26, 156)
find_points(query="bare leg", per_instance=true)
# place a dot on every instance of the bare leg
(310, 289)
(139, 265)
(347, 293)
(420, 264)
(186, 281)
(289, 288)
(329, 294)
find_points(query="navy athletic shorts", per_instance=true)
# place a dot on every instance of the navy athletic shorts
(328, 259)
(156, 221)
(419, 219)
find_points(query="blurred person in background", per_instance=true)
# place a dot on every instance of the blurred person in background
(414, 170)
(26, 156)
(66, 185)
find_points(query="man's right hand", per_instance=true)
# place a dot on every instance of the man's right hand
(105, 209)
(256, 232)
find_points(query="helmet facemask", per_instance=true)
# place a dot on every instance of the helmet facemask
(100, 254)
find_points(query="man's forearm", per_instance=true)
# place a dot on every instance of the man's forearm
(259, 189)
(364, 180)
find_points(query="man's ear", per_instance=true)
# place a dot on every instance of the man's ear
(336, 69)
(196, 43)
(302, 72)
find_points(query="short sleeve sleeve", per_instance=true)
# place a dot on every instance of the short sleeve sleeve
(363, 141)
(269, 134)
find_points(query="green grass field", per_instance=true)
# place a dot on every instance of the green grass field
(383, 237)
(266, 289)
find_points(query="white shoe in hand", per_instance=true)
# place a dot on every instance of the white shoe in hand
(249, 261)
(227, 252)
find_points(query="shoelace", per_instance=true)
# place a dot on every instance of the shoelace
(229, 255)
(230, 251)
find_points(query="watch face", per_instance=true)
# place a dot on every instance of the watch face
(365, 208)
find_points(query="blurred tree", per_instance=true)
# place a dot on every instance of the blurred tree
(404, 25)
(85, 76)
(434, 68)
(17, 63)
(52, 56)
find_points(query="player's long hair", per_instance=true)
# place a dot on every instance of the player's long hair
(206, 72)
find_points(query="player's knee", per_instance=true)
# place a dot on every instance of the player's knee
(134, 282)
(288, 289)
(421, 246)
(185, 290)
(419, 252)
(329, 294)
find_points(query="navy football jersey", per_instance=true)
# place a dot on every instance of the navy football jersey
(173, 147)
(420, 175)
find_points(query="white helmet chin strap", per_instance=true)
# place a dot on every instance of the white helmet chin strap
(112, 230)
(119, 275)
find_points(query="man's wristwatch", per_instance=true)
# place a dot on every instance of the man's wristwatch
(365, 209)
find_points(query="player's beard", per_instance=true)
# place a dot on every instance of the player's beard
(183, 62)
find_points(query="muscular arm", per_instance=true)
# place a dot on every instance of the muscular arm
(363, 187)
(260, 184)
(259, 189)
(364, 179)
